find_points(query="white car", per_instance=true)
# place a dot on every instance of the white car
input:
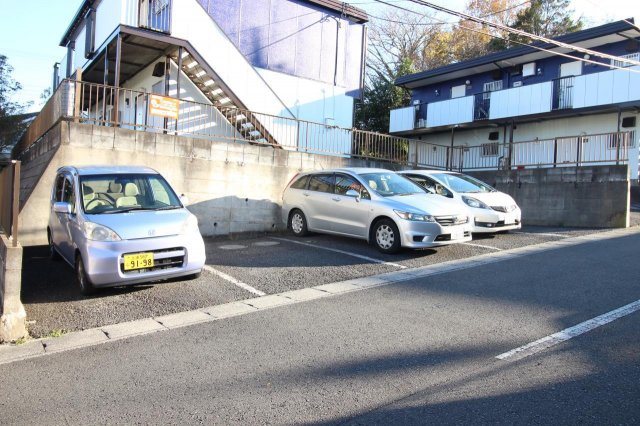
(491, 209)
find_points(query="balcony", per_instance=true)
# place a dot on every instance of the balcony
(566, 93)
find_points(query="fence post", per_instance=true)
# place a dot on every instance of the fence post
(15, 202)
(77, 96)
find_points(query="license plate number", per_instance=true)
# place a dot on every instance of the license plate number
(138, 261)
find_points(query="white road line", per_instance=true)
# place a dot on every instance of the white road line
(483, 246)
(367, 258)
(544, 234)
(234, 281)
(568, 333)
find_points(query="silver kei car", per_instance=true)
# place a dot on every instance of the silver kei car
(376, 205)
(121, 225)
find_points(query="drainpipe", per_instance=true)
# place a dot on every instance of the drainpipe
(450, 159)
(618, 138)
(167, 81)
(509, 157)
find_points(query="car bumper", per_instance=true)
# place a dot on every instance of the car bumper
(174, 256)
(488, 221)
(423, 235)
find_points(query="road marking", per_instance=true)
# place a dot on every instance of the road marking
(234, 281)
(544, 234)
(568, 333)
(483, 246)
(367, 258)
(232, 247)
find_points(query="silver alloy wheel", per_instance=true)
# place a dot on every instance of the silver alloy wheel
(385, 236)
(297, 223)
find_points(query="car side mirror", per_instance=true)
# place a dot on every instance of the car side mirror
(352, 193)
(184, 199)
(62, 207)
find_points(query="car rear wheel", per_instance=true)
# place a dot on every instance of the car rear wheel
(84, 283)
(53, 253)
(386, 236)
(298, 223)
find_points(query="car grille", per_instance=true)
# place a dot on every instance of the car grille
(452, 220)
(504, 209)
(168, 258)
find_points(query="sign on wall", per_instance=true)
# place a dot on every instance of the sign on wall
(161, 106)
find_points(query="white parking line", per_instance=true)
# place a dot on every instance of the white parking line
(483, 246)
(544, 234)
(367, 258)
(234, 281)
(568, 333)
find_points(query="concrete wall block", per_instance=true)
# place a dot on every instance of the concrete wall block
(165, 144)
(125, 140)
(201, 149)
(184, 147)
(103, 137)
(80, 134)
(146, 142)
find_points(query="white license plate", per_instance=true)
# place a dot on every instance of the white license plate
(457, 235)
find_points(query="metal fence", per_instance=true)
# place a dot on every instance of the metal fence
(155, 15)
(97, 104)
(9, 200)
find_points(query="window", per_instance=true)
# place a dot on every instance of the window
(622, 64)
(491, 86)
(489, 149)
(321, 183)
(529, 69)
(458, 91)
(300, 183)
(345, 183)
(90, 33)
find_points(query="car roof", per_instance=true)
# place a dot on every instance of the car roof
(109, 170)
(352, 170)
(428, 172)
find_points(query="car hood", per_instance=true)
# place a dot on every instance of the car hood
(144, 224)
(493, 198)
(434, 205)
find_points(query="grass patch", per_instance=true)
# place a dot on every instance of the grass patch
(56, 333)
(21, 341)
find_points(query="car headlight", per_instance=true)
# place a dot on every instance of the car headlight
(415, 216)
(96, 232)
(190, 225)
(472, 202)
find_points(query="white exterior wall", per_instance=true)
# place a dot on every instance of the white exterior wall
(525, 100)
(108, 17)
(453, 111)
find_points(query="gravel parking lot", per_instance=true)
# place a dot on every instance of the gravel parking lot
(237, 269)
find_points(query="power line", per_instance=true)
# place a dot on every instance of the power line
(524, 33)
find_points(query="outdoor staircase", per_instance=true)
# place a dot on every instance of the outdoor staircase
(246, 123)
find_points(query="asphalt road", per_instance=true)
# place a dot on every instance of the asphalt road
(271, 264)
(417, 352)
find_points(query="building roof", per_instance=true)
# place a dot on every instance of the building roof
(350, 12)
(591, 37)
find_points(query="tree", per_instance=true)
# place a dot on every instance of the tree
(547, 18)
(11, 123)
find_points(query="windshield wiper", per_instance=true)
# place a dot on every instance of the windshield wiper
(167, 208)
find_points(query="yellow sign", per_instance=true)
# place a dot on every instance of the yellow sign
(138, 261)
(161, 106)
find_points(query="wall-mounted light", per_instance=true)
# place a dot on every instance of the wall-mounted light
(468, 82)
(587, 56)
(436, 92)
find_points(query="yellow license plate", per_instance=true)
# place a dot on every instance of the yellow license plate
(138, 261)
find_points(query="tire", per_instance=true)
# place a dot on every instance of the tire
(385, 236)
(84, 284)
(298, 223)
(53, 253)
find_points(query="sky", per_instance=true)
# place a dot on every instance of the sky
(31, 31)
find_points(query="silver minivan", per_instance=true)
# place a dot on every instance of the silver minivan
(376, 205)
(121, 225)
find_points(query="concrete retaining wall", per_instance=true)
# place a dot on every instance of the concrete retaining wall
(12, 314)
(596, 196)
(232, 187)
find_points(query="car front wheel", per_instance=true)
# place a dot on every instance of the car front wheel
(86, 288)
(386, 236)
(298, 223)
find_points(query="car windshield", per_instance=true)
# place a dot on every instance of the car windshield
(390, 184)
(119, 193)
(462, 183)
